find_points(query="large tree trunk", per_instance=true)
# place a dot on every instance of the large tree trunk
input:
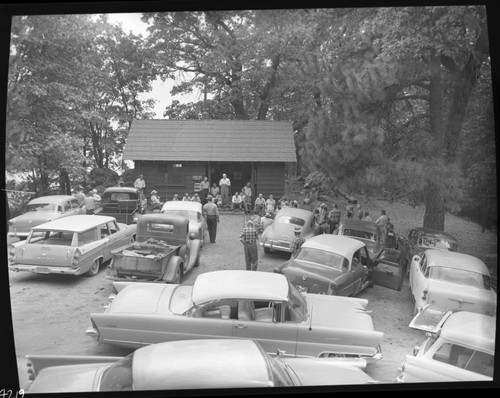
(433, 197)
(434, 207)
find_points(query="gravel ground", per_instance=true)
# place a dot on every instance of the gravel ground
(51, 313)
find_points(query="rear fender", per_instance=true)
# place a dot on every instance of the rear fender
(170, 269)
(39, 362)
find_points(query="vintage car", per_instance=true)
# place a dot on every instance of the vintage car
(365, 231)
(191, 364)
(164, 250)
(451, 280)
(460, 346)
(41, 210)
(280, 234)
(193, 211)
(73, 245)
(122, 203)
(239, 304)
(329, 264)
(421, 239)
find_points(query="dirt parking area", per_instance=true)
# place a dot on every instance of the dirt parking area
(51, 312)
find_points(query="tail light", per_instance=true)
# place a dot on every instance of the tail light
(76, 257)
(12, 254)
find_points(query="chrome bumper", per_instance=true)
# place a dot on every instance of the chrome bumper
(40, 269)
(273, 245)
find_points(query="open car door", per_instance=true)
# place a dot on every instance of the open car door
(430, 319)
(388, 269)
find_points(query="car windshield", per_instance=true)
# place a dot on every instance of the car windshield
(192, 216)
(279, 373)
(56, 238)
(291, 220)
(297, 302)
(436, 243)
(180, 301)
(322, 257)
(118, 377)
(460, 276)
(43, 207)
(359, 234)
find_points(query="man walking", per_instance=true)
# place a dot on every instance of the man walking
(382, 223)
(298, 241)
(249, 238)
(211, 213)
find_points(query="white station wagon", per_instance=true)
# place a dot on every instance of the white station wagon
(71, 245)
(239, 304)
(460, 347)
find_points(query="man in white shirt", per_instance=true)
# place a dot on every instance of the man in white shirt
(224, 184)
(140, 184)
(237, 201)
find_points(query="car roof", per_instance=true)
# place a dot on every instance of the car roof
(471, 329)
(339, 244)
(360, 225)
(232, 284)
(182, 205)
(162, 219)
(56, 199)
(293, 211)
(210, 363)
(120, 189)
(446, 258)
(77, 223)
(435, 232)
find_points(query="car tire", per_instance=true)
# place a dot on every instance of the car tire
(267, 250)
(178, 275)
(94, 269)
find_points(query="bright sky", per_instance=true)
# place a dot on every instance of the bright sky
(161, 90)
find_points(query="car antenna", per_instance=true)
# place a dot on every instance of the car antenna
(311, 318)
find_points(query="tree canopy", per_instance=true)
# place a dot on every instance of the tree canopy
(384, 101)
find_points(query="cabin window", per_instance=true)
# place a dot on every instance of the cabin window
(176, 174)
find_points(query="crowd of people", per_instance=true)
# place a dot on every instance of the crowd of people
(261, 211)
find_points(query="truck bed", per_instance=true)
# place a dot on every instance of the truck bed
(142, 260)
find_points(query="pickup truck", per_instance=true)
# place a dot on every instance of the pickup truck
(164, 251)
(419, 240)
(122, 203)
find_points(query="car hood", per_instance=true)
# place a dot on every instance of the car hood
(70, 378)
(297, 269)
(325, 371)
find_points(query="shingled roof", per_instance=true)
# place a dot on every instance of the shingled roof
(210, 140)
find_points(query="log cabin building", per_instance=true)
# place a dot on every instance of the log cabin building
(175, 155)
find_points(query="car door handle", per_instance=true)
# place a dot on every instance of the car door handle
(240, 326)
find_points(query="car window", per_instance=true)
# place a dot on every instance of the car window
(42, 207)
(219, 309)
(465, 358)
(104, 231)
(279, 373)
(67, 206)
(363, 256)
(359, 234)
(291, 220)
(190, 215)
(87, 237)
(180, 301)
(460, 276)
(113, 228)
(118, 377)
(56, 238)
(296, 305)
(74, 204)
(423, 264)
(322, 257)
